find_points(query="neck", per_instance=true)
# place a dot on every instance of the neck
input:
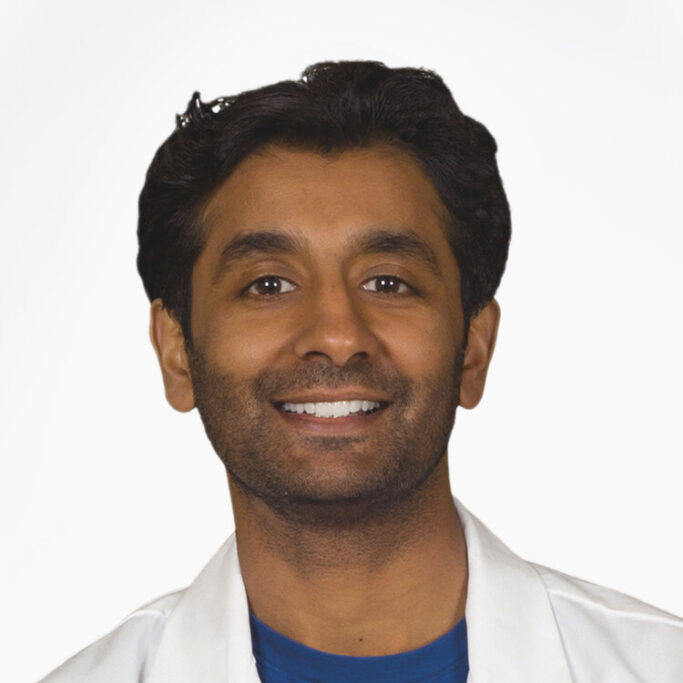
(387, 583)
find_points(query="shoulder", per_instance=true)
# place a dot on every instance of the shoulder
(613, 636)
(124, 654)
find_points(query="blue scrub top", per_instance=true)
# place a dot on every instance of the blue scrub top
(282, 660)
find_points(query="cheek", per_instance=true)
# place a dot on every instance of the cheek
(421, 346)
(244, 345)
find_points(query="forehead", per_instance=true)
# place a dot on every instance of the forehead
(327, 199)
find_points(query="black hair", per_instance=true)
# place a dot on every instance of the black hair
(334, 106)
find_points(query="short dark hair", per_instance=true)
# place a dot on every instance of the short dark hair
(334, 106)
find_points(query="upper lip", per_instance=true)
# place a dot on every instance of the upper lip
(330, 395)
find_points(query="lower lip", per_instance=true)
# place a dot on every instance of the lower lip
(333, 426)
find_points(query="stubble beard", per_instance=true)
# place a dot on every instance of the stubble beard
(256, 450)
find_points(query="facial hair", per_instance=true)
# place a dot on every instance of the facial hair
(323, 481)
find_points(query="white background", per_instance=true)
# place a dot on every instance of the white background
(108, 498)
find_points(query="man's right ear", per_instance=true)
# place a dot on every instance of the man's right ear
(169, 343)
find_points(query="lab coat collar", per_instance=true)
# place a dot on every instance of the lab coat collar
(512, 634)
(206, 638)
(511, 630)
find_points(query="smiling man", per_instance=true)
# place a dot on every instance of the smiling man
(321, 257)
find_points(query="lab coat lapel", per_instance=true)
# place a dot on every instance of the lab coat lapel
(512, 635)
(511, 630)
(207, 637)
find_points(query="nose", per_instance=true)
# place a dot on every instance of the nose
(335, 326)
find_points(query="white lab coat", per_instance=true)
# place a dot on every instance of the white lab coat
(525, 624)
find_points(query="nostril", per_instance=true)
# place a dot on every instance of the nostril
(337, 358)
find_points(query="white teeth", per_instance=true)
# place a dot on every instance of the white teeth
(324, 409)
(331, 409)
(340, 408)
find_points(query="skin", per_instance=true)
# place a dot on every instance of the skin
(347, 535)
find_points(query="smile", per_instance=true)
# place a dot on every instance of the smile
(332, 409)
(351, 416)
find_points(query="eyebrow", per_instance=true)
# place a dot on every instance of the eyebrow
(402, 243)
(258, 243)
(380, 241)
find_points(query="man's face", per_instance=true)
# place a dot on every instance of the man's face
(326, 286)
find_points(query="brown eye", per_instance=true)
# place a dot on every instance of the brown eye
(386, 284)
(268, 285)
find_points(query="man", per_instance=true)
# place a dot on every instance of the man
(322, 257)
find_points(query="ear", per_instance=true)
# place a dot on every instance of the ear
(169, 343)
(481, 340)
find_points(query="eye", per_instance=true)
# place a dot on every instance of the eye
(269, 285)
(387, 284)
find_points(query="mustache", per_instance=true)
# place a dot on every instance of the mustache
(271, 381)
